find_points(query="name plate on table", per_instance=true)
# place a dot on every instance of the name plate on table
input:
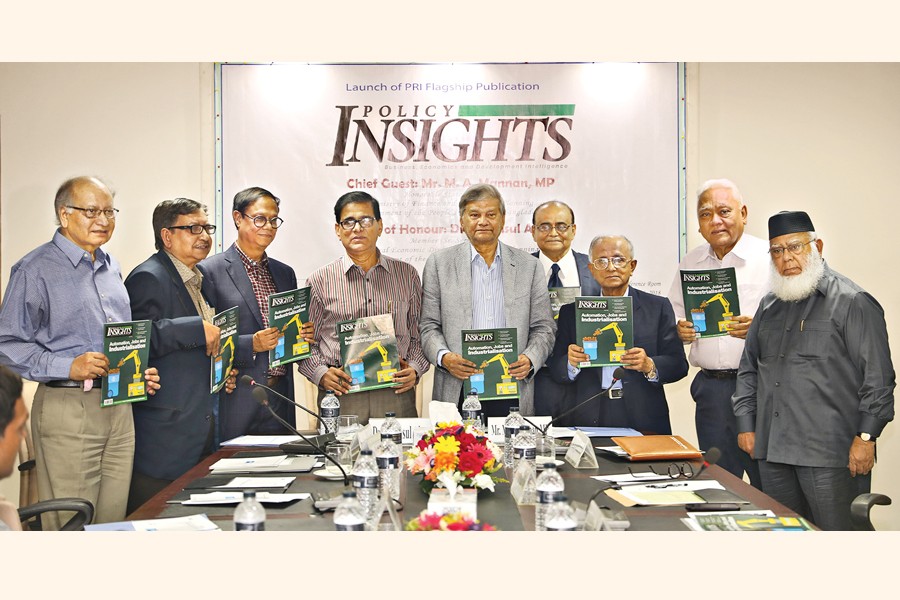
(413, 429)
(581, 452)
(495, 426)
(465, 501)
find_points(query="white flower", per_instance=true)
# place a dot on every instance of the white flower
(483, 481)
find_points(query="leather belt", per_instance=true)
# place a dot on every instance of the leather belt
(70, 383)
(720, 374)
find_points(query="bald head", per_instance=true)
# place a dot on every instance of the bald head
(71, 188)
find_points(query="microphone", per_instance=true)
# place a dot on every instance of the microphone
(247, 380)
(711, 457)
(260, 396)
(617, 375)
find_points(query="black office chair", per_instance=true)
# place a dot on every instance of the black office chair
(84, 513)
(862, 506)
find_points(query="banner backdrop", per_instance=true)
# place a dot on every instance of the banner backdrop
(601, 137)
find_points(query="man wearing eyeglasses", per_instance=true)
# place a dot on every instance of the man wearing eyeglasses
(815, 387)
(484, 284)
(174, 430)
(638, 400)
(244, 276)
(51, 331)
(722, 215)
(364, 282)
(553, 229)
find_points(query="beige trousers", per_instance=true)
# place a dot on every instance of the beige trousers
(83, 451)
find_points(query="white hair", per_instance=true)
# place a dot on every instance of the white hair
(712, 184)
(606, 236)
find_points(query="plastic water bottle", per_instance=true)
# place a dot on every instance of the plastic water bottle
(471, 410)
(349, 514)
(510, 428)
(387, 457)
(364, 478)
(391, 426)
(329, 413)
(550, 488)
(250, 514)
(524, 449)
(561, 516)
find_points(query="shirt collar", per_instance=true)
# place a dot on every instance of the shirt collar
(567, 260)
(475, 252)
(249, 262)
(741, 249)
(187, 274)
(76, 253)
(347, 263)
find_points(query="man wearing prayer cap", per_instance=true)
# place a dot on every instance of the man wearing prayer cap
(815, 386)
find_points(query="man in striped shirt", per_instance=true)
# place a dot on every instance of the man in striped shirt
(363, 283)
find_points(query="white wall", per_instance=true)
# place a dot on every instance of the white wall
(817, 137)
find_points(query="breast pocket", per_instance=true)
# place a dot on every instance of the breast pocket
(769, 335)
(815, 339)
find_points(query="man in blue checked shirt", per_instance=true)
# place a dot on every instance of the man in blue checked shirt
(51, 331)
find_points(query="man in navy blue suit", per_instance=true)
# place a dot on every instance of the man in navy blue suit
(244, 276)
(176, 428)
(553, 229)
(638, 400)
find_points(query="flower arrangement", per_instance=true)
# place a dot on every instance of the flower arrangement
(431, 521)
(453, 455)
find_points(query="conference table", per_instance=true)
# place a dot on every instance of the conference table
(497, 508)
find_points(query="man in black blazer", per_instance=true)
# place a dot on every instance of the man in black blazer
(553, 229)
(656, 358)
(243, 276)
(175, 428)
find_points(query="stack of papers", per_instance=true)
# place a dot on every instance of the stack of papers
(281, 463)
(567, 432)
(256, 483)
(189, 523)
(264, 441)
(237, 497)
(668, 493)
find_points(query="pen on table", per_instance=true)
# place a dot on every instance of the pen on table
(665, 485)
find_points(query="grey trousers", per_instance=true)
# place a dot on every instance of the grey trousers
(82, 451)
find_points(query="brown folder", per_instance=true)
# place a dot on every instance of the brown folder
(657, 447)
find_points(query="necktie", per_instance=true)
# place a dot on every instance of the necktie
(554, 282)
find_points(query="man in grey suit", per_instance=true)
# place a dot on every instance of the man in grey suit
(553, 229)
(484, 284)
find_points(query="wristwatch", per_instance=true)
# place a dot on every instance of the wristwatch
(866, 437)
(651, 374)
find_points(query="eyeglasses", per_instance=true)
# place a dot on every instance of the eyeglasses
(195, 229)
(364, 222)
(602, 264)
(674, 471)
(778, 251)
(93, 213)
(559, 227)
(260, 221)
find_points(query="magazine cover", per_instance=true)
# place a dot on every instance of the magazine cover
(604, 327)
(710, 300)
(369, 351)
(127, 346)
(560, 296)
(288, 311)
(227, 322)
(492, 351)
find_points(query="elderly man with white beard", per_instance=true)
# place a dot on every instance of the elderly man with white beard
(815, 386)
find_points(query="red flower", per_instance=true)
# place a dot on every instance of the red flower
(470, 464)
(465, 440)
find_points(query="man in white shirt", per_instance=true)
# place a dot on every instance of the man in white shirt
(722, 215)
(553, 229)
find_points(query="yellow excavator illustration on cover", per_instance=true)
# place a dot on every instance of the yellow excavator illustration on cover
(726, 310)
(301, 346)
(386, 373)
(506, 386)
(619, 349)
(136, 387)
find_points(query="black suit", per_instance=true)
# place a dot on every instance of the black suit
(226, 284)
(549, 396)
(643, 404)
(172, 429)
